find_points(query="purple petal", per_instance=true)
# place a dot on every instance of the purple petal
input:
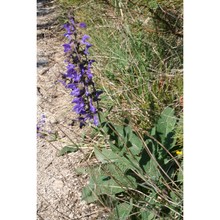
(78, 100)
(79, 108)
(96, 120)
(72, 21)
(76, 92)
(67, 26)
(67, 47)
(91, 107)
(71, 86)
(63, 82)
(82, 25)
(85, 37)
(89, 74)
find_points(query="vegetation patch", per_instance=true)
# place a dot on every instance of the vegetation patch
(125, 73)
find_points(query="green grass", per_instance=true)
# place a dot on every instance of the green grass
(138, 48)
(139, 67)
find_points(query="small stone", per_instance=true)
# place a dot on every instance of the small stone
(42, 62)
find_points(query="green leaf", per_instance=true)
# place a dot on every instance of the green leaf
(119, 130)
(110, 179)
(167, 122)
(106, 155)
(147, 215)
(67, 150)
(149, 166)
(88, 195)
(165, 127)
(174, 197)
(136, 144)
(151, 216)
(152, 170)
(115, 135)
(153, 131)
(122, 211)
(180, 176)
(107, 185)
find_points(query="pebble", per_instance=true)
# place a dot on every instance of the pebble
(42, 62)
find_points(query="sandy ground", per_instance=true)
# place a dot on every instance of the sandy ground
(58, 185)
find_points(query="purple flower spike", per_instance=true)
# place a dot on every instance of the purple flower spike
(79, 77)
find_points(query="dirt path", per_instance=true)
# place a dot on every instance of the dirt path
(58, 185)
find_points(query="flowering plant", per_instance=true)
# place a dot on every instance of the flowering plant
(79, 76)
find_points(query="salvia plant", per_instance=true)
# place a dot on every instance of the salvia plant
(140, 176)
(79, 77)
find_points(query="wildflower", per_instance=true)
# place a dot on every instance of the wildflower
(79, 77)
(179, 152)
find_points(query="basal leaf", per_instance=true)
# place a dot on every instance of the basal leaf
(136, 143)
(180, 176)
(110, 179)
(122, 211)
(151, 216)
(165, 127)
(147, 215)
(88, 195)
(108, 185)
(149, 166)
(167, 122)
(106, 155)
